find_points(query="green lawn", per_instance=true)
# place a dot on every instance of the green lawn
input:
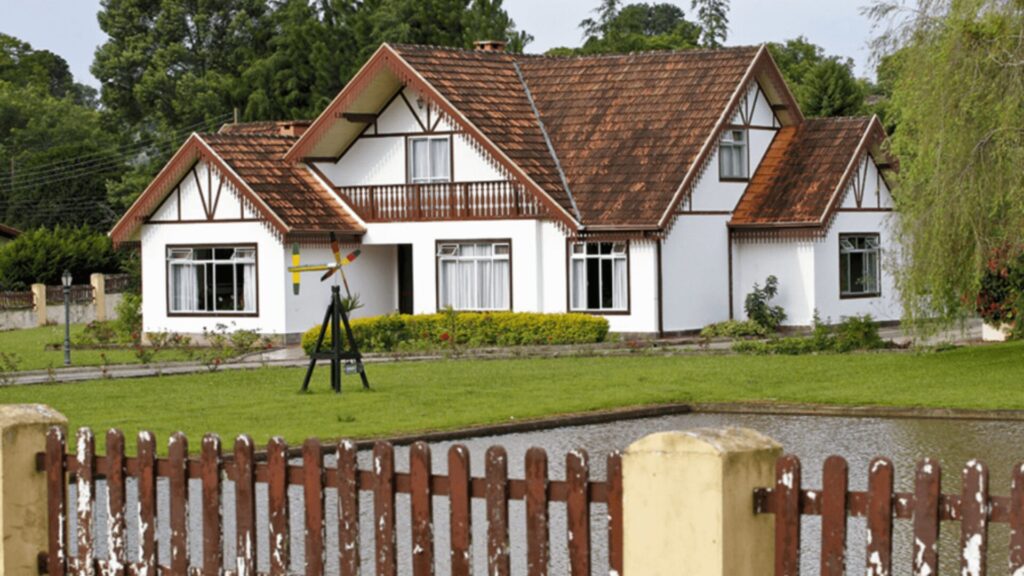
(422, 396)
(29, 345)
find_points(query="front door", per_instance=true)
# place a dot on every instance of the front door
(405, 278)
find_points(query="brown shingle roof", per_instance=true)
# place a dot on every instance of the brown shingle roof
(254, 152)
(801, 173)
(625, 128)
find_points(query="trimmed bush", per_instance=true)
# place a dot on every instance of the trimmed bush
(733, 329)
(854, 333)
(395, 332)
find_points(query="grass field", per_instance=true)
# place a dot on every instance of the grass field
(30, 347)
(422, 396)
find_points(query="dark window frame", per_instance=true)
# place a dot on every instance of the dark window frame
(216, 313)
(878, 267)
(629, 280)
(746, 154)
(511, 272)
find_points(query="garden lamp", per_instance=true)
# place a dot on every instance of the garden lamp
(66, 279)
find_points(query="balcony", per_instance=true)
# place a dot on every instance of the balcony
(498, 199)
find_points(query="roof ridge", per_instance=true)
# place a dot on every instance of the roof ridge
(613, 55)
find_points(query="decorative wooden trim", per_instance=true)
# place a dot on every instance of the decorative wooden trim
(214, 314)
(437, 269)
(412, 110)
(360, 117)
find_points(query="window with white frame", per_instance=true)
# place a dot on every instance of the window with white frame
(211, 279)
(859, 273)
(598, 276)
(474, 275)
(429, 159)
(732, 155)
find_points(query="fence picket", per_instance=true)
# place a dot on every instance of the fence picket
(496, 460)
(1017, 519)
(146, 455)
(974, 520)
(313, 495)
(422, 510)
(277, 505)
(348, 509)
(384, 507)
(537, 550)
(459, 510)
(787, 516)
(833, 517)
(614, 480)
(926, 518)
(117, 556)
(85, 448)
(56, 488)
(878, 556)
(577, 476)
(177, 457)
(245, 507)
(210, 471)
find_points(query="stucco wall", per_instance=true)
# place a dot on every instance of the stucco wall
(695, 272)
(792, 262)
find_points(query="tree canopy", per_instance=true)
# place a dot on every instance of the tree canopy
(823, 85)
(958, 92)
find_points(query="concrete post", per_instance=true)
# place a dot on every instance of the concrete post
(23, 524)
(39, 295)
(688, 500)
(99, 295)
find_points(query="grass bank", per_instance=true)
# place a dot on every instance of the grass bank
(420, 396)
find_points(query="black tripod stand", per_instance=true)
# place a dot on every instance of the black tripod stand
(336, 317)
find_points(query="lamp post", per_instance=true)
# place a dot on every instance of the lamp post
(65, 279)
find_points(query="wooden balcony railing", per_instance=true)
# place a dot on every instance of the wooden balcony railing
(497, 199)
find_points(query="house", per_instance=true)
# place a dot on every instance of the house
(653, 189)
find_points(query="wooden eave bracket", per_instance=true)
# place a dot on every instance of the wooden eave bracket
(359, 117)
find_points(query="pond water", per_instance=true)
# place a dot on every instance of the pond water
(812, 438)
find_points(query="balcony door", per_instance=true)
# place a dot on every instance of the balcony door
(405, 278)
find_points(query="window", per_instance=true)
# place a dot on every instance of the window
(474, 275)
(211, 280)
(858, 265)
(597, 276)
(429, 159)
(732, 155)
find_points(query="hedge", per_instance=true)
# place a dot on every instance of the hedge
(394, 332)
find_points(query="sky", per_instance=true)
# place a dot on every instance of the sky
(69, 27)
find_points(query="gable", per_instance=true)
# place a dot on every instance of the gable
(867, 189)
(203, 194)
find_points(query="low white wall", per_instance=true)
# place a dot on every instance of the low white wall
(695, 272)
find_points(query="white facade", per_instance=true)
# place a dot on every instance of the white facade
(704, 276)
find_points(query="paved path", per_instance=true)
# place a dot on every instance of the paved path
(293, 356)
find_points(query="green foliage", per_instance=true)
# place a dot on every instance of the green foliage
(823, 85)
(1001, 297)
(733, 329)
(129, 317)
(958, 93)
(713, 16)
(634, 28)
(102, 333)
(855, 333)
(42, 255)
(449, 329)
(757, 307)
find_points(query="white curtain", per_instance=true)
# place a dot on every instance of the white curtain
(249, 287)
(184, 288)
(500, 285)
(475, 279)
(439, 163)
(619, 284)
(579, 284)
(420, 161)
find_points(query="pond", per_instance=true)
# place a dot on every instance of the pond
(812, 438)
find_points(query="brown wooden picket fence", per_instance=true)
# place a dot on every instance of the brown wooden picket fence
(246, 468)
(927, 507)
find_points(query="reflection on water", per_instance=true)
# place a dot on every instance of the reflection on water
(905, 441)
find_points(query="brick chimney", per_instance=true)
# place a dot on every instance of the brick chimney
(490, 45)
(294, 128)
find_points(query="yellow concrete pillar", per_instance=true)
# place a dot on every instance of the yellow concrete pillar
(39, 295)
(99, 295)
(688, 503)
(23, 523)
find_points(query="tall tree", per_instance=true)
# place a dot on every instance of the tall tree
(635, 28)
(959, 96)
(713, 17)
(823, 85)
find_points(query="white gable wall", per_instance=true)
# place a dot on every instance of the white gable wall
(792, 262)
(695, 272)
(831, 307)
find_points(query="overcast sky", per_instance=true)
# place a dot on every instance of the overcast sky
(69, 27)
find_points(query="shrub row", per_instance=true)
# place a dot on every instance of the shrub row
(395, 332)
(854, 333)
